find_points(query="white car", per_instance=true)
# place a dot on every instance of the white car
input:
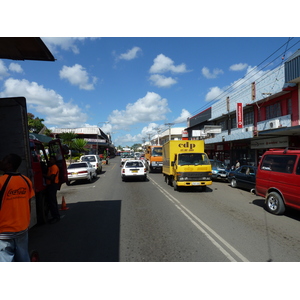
(81, 170)
(126, 156)
(134, 169)
(95, 161)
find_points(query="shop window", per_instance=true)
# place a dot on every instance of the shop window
(273, 111)
(249, 118)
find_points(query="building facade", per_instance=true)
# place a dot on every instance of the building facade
(255, 117)
(97, 140)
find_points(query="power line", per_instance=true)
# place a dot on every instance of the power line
(235, 86)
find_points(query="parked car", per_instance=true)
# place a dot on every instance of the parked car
(243, 177)
(218, 170)
(95, 161)
(81, 171)
(277, 180)
(134, 169)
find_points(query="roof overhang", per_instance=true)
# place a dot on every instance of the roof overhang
(282, 131)
(24, 48)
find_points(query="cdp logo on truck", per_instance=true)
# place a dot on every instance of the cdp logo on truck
(187, 145)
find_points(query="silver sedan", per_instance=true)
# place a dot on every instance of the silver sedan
(81, 171)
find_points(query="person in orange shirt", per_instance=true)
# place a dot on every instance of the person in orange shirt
(16, 190)
(52, 180)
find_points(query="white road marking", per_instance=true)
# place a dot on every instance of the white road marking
(215, 238)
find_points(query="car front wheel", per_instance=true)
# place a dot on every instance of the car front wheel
(233, 183)
(275, 204)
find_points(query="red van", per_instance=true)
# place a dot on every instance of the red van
(278, 179)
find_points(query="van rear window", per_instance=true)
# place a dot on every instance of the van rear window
(279, 163)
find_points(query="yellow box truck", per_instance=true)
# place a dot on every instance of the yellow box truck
(186, 164)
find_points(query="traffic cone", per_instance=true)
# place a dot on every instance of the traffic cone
(63, 204)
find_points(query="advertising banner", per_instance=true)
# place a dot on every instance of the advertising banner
(239, 115)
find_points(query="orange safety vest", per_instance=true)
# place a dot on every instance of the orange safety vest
(15, 192)
(53, 170)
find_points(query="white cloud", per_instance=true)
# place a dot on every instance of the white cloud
(162, 81)
(14, 67)
(65, 43)
(77, 75)
(45, 101)
(206, 73)
(213, 94)
(3, 70)
(164, 64)
(183, 116)
(150, 108)
(130, 54)
(238, 67)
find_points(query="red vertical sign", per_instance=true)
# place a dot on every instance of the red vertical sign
(239, 115)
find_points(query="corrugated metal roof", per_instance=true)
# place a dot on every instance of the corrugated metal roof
(24, 48)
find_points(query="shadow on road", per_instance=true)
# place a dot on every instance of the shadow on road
(87, 232)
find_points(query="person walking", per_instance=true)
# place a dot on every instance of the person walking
(52, 180)
(16, 190)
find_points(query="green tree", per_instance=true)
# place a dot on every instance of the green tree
(79, 145)
(35, 124)
(68, 139)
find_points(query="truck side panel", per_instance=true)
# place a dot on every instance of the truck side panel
(14, 136)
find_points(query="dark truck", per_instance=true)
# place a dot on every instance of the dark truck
(14, 137)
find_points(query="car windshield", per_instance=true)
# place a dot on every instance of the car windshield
(79, 165)
(88, 158)
(193, 159)
(134, 164)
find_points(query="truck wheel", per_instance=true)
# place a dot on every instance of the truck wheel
(170, 182)
(42, 208)
(275, 204)
(175, 185)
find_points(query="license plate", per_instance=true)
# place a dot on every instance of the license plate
(74, 173)
(195, 183)
(134, 171)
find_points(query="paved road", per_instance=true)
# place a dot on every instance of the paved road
(136, 221)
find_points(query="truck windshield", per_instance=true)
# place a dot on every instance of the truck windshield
(193, 159)
(156, 151)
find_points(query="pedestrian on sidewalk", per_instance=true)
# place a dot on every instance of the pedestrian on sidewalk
(16, 190)
(52, 180)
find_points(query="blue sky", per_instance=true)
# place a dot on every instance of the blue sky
(134, 83)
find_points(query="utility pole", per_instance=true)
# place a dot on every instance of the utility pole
(169, 124)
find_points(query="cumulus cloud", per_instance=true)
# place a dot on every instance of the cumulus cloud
(164, 64)
(213, 94)
(65, 43)
(150, 108)
(45, 101)
(206, 73)
(3, 70)
(238, 67)
(14, 67)
(77, 75)
(130, 54)
(162, 81)
(183, 116)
